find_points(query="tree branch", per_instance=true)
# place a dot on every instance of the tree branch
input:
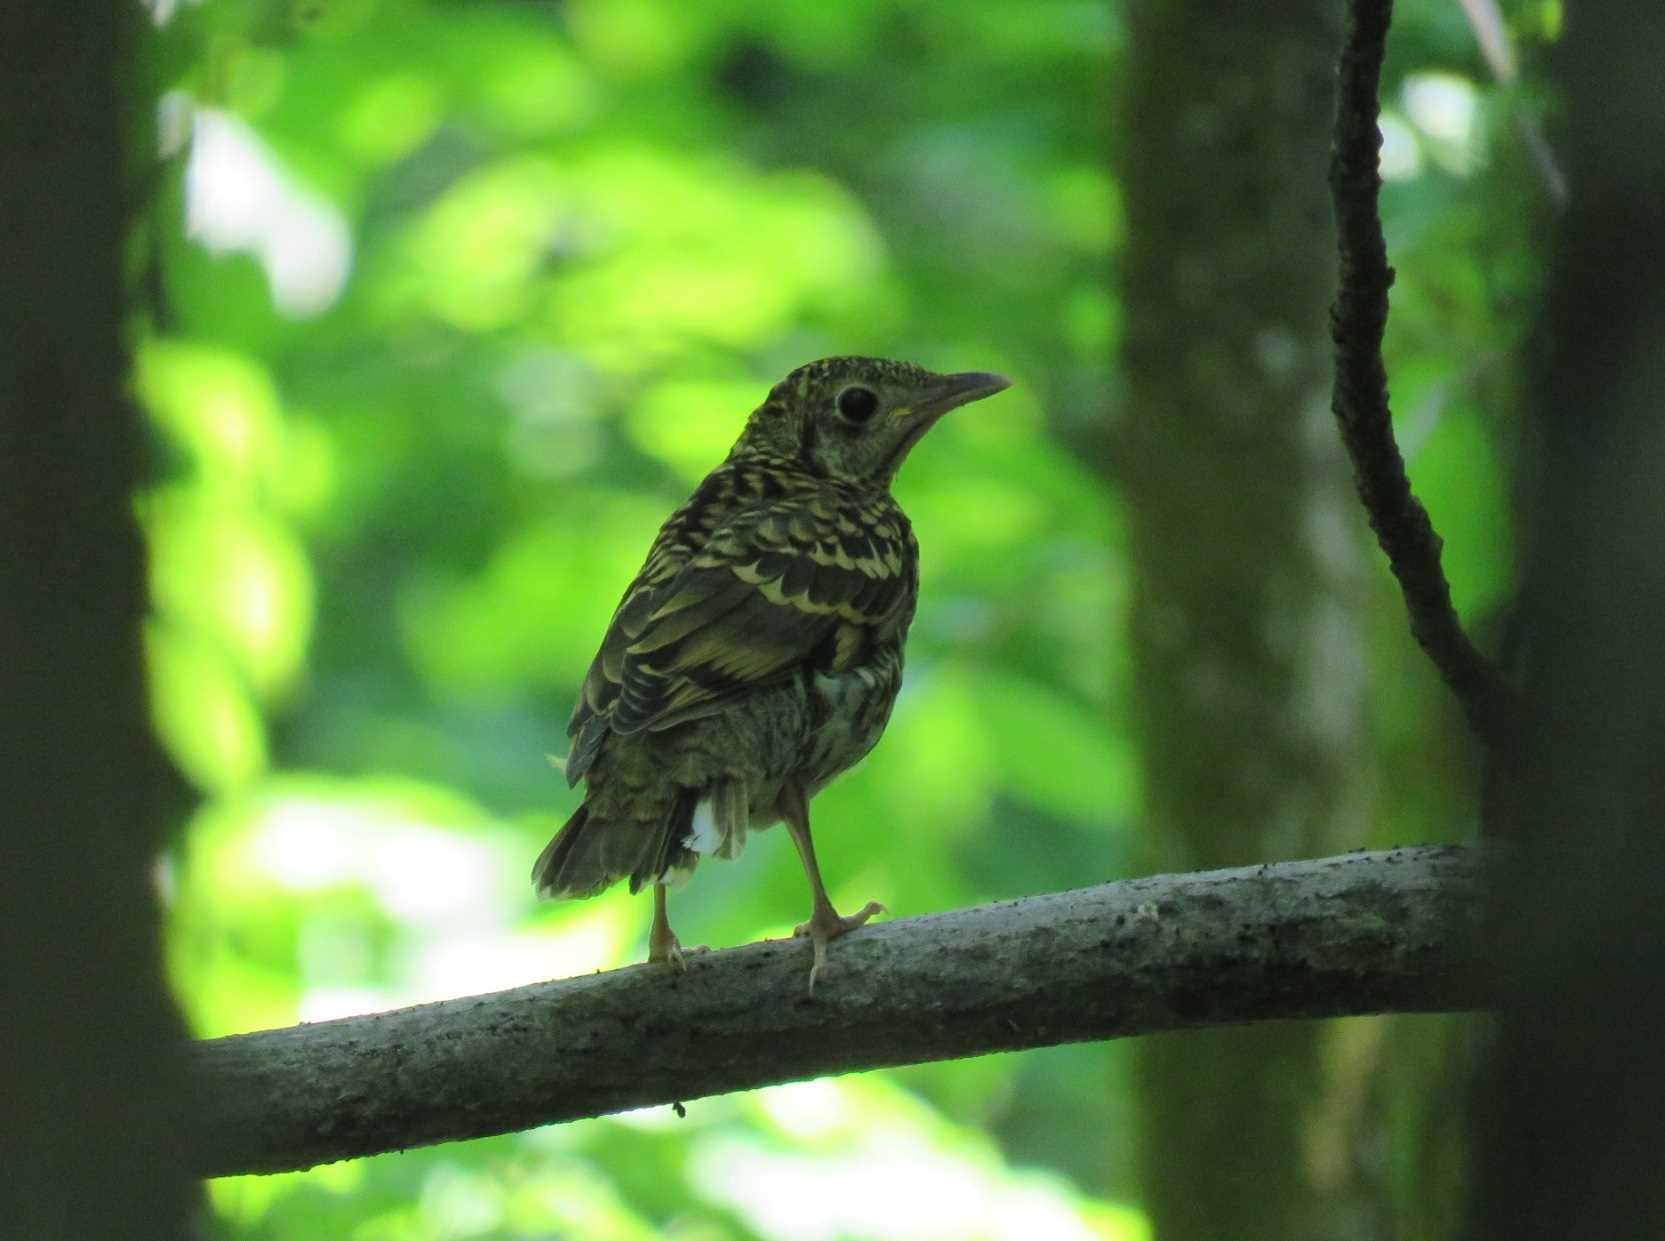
(1393, 931)
(1360, 394)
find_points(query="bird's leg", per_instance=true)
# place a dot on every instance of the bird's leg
(663, 944)
(825, 922)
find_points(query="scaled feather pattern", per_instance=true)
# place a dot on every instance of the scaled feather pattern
(758, 651)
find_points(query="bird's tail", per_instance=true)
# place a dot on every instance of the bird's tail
(593, 852)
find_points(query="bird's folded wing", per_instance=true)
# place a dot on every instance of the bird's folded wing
(769, 587)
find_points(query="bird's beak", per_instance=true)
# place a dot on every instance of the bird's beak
(952, 391)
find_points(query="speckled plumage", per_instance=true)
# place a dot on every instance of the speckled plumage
(758, 652)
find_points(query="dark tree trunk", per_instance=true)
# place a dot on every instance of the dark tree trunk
(1576, 1141)
(91, 1125)
(1248, 562)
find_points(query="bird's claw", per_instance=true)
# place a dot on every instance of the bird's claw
(828, 924)
(674, 954)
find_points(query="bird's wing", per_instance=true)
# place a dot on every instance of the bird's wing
(771, 584)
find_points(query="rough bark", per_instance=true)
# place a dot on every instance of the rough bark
(1364, 933)
(1249, 572)
(1574, 1145)
(91, 1140)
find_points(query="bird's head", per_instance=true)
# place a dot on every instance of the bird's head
(854, 419)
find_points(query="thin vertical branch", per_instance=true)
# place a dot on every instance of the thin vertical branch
(1360, 395)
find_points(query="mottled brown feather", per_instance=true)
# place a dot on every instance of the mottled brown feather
(759, 650)
(738, 591)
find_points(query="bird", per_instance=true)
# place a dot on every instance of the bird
(757, 654)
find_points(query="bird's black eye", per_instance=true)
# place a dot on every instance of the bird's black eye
(858, 404)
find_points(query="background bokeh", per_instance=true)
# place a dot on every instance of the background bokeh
(448, 305)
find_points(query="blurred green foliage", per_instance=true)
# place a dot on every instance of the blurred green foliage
(450, 304)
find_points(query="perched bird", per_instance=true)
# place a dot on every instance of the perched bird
(758, 652)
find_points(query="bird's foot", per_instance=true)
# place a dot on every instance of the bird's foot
(826, 924)
(671, 952)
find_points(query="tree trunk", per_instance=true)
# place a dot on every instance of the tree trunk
(1248, 564)
(91, 1130)
(1575, 1147)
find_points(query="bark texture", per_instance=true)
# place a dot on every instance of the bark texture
(1248, 566)
(1366, 933)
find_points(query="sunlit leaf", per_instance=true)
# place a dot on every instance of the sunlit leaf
(691, 425)
(233, 578)
(220, 407)
(203, 709)
(393, 115)
(538, 610)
